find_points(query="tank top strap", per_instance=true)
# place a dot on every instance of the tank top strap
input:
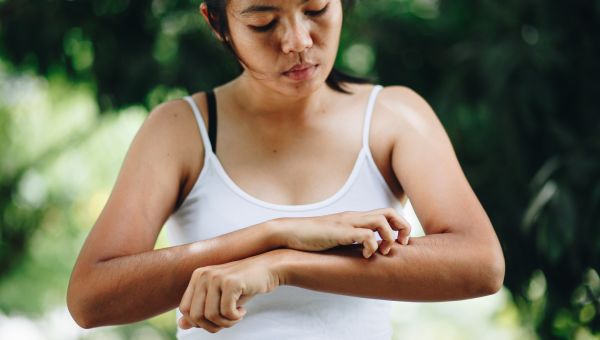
(201, 126)
(368, 114)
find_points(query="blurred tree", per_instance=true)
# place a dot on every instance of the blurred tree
(514, 83)
(18, 220)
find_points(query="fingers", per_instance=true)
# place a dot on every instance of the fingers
(243, 299)
(184, 323)
(229, 301)
(185, 307)
(186, 300)
(380, 223)
(192, 308)
(197, 315)
(213, 307)
(195, 303)
(396, 222)
(404, 229)
(374, 221)
(367, 238)
(384, 221)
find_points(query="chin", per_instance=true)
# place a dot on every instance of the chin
(301, 88)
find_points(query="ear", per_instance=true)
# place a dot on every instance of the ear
(205, 14)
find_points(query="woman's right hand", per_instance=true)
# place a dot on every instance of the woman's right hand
(329, 231)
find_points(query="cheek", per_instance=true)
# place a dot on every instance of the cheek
(328, 29)
(327, 34)
(333, 30)
(253, 49)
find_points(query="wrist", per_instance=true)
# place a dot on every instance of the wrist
(279, 265)
(276, 232)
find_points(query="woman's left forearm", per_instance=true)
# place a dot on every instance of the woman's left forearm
(435, 267)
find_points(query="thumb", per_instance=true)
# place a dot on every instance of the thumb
(241, 311)
(183, 323)
(243, 299)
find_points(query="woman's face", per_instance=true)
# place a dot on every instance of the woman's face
(272, 37)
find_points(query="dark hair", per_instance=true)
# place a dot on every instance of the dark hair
(217, 17)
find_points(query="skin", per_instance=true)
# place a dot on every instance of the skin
(296, 36)
(119, 278)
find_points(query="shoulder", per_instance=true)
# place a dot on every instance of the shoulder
(404, 110)
(174, 112)
(404, 103)
(400, 94)
(170, 122)
(173, 134)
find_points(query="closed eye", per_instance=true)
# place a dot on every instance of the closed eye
(317, 13)
(270, 25)
(264, 28)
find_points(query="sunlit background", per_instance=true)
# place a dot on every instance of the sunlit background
(514, 83)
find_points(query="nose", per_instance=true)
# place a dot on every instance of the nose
(296, 38)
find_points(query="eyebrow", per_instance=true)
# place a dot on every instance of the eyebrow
(264, 8)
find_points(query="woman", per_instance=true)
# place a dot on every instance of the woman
(309, 162)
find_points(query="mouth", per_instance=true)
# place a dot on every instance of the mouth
(299, 67)
(301, 71)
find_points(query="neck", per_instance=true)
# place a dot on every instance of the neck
(260, 102)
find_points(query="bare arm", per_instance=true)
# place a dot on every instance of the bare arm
(460, 256)
(118, 277)
(427, 269)
(135, 287)
(430, 268)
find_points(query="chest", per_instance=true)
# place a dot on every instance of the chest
(302, 166)
(305, 168)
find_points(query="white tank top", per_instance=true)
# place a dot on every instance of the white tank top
(288, 312)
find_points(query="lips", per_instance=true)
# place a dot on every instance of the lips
(301, 72)
(299, 67)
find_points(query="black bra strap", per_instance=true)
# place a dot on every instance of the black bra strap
(212, 119)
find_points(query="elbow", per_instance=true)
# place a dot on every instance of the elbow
(79, 307)
(489, 278)
(80, 320)
(495, 279)
(77, 310)
(77, 313)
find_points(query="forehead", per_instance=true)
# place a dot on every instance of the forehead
(249, 7)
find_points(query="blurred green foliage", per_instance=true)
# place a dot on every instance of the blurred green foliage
(514, 82)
